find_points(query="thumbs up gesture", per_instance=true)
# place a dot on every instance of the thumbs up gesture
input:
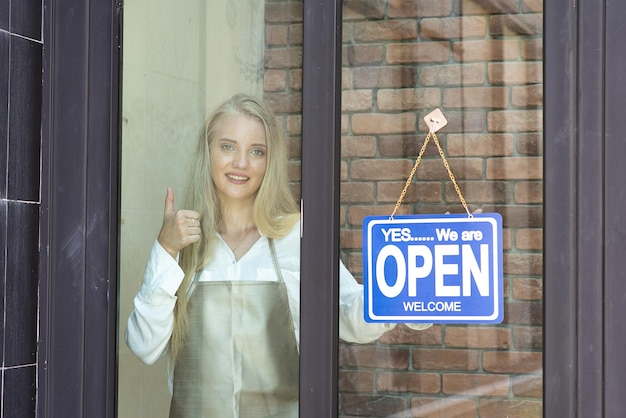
(180, 228)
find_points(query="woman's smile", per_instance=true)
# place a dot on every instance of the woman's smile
(238, 158)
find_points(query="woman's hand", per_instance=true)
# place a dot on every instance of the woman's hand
(180, 228)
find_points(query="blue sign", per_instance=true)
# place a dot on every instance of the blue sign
(433, 268)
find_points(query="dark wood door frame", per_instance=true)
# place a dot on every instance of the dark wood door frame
(584, 238)
(585, 230)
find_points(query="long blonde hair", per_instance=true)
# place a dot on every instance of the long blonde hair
(275, 211)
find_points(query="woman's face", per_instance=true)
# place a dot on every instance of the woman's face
(238, 158)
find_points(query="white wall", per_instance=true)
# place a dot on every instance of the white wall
(180, 59)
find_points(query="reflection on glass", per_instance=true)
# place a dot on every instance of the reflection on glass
(181, 60)
(480, 62)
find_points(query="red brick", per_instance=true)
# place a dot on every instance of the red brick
(515, 408)
(355, 265)
(274, 80)
(284, 102)
(363, 9)
(479, 145)
(489, 6)
(507, 241)
(522, 168)
(408, 382)
(531, 49)
(530, 143)
(356, 100)
(358, 146)
(346, 79)
(387, 192)
(523, 264)
(417, 53)
(374, 405)
(476, 384)
(445, 359)
(356, 213)
(477, 337)
(283, 57)
(402, 334)
(476, 97)
(294, 170)
(294, 125)
(378, 169)
(527, 288)
(357, 192)
(345, 124)
(385, 30)
(365, 54)
(350, 238)
(452, 75)
(356, 381)
(485, 50)
(383, 77)
(425, 407)
(454, 27)
(529, 72)
(515, 121)
(295, 79)
(294, 147)
(520, 24)
(276, 35)
(523, 313)
(527, 96)
(408, 99)
(529, 192)
(295, 34)
(383, 123)
(405, 145)
(462, 169)
(365, 356)
(418, 8)
(479, 192)
(519, 215)
(512, 362)
(283, 12)
(527, 386)
(529, 239)
(532, 6)
(528, 338)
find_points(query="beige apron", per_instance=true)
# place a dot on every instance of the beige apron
(240, 358)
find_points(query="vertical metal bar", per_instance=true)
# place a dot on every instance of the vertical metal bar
(80, 125)
(320, 204)
(560, 226)
(615, 223)
(590, 219)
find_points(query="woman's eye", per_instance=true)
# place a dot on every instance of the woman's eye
(227, 147)
(257, 152)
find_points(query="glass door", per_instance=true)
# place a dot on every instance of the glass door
(481, 64)
(181, 60)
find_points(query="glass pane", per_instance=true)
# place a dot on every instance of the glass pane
(180, 61)
(480, 62)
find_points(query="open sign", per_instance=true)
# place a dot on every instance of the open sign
(433, 268)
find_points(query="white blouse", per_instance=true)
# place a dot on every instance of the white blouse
(150, 324)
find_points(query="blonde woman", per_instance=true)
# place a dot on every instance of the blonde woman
(221, 291)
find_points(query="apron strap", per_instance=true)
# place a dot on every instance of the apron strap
(277, 269)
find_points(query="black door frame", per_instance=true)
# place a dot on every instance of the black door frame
(80, 199)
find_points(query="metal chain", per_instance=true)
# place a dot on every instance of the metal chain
(456, 186)
(417, 162)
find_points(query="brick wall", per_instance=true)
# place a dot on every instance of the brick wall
(480, 62)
